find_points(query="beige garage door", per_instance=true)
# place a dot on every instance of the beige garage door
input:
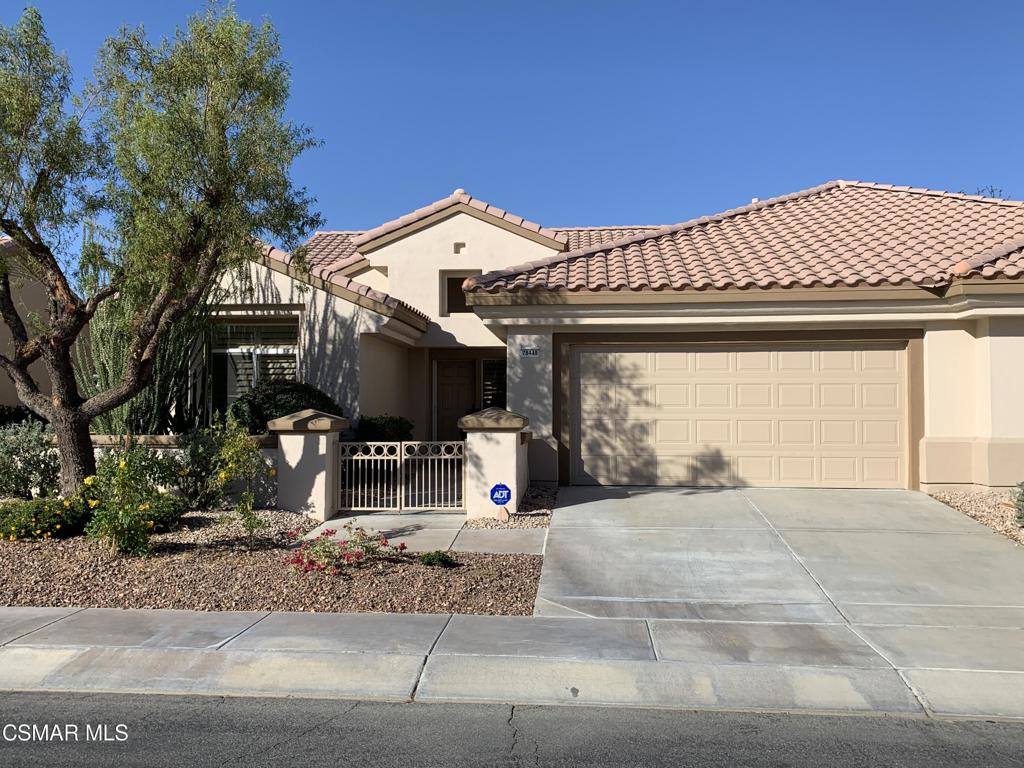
(822, 415)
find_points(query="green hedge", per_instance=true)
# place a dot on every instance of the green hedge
(42, 518)
(273, 399)
(383, 428)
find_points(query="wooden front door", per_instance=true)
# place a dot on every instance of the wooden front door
(455, 396)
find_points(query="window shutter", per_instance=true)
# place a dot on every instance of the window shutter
(494, 384)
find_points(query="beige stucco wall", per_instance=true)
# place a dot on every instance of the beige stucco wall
(974, 409)
(530, 393)
(329, 328)
(383, 378)
(417, 405)
(415, 262)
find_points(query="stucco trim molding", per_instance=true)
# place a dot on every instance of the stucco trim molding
(992, 462)
(308, 420)
(368, 246)
(493, 420)
(416, 324)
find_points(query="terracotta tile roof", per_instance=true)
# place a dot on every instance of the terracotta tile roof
(458, 197)
(348, 284)
(578, 238)
(839, 234)
(332, 251)
(329, 252)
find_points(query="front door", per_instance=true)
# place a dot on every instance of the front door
(456, 396)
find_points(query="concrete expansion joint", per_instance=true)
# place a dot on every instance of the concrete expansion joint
(914, 692)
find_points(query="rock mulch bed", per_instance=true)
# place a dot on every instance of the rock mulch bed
(991, 508)
(534, 510)
(211, 566)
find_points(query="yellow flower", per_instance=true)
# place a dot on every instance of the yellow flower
(143, 507)
(13, 538)
(90, 480)
(149, 523)
(67, 503)
(222, 475)
(57, 526)
(122, 464)
(93, 503)
(272, 472)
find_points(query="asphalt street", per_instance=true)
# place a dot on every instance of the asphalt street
(213, 731)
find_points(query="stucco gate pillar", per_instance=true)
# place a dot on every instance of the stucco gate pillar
(307, 462)
(497, 463)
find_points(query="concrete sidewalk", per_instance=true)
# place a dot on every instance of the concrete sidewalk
(522, 660)
(428, 531)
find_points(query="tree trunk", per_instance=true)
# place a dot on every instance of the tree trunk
(74, 446)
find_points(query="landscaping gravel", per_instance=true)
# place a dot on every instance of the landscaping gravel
(992, 508)
(534, 510)
(211, 566)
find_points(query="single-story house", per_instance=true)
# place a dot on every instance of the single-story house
(850, 335)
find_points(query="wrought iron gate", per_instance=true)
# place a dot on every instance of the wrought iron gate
(396, 476)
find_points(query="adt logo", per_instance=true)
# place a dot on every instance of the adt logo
(501, 494)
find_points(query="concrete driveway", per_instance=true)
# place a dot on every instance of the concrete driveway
(837, 579)
(776, 555)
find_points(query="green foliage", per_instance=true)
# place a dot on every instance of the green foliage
(438, 559)
(125, 529)
(177, 158)
(42, 518)
(240, 461)
(162, 407)
(126, 499)
(28, 460)
(165, 512)
(198, 472)
(1018, 502)
(16, 414)
(43, 129)
(275, 398)
(383, 428)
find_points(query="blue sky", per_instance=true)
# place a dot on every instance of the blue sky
(578, 113)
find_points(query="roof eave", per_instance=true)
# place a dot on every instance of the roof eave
(388, 233)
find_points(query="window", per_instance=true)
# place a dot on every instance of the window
(493, 384)
(453, 298)
(242, 355)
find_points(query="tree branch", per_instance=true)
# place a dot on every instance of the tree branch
(28, 390)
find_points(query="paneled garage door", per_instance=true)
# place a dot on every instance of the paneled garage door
(821, 415)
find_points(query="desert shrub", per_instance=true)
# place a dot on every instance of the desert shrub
(125, 529)
(197, 478)
(325, 554)
(16, 414)
(275, 398)
(1018, 502)
(126, 499)
(383, 428)
(42, 518)
(28, 460)
(240, 461)
(438, 559)
(165, 512)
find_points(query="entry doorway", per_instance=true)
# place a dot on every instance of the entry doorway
(456, 396)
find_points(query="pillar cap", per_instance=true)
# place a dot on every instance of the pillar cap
(308, 420)
(493, 420)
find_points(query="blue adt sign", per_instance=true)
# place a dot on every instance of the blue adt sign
(501, 494)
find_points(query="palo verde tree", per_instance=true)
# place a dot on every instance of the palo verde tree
(177, 154)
